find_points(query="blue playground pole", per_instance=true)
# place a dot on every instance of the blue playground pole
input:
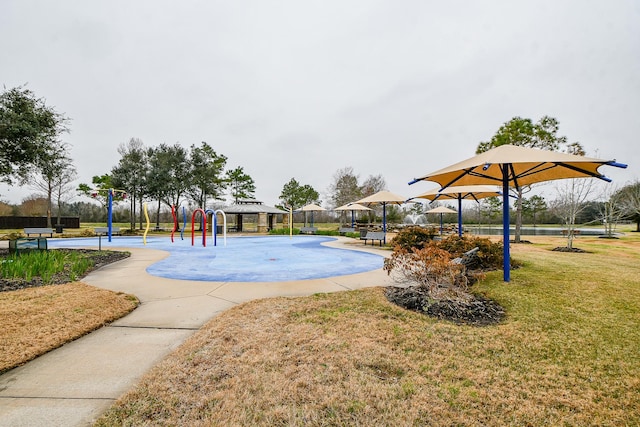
(184, 222)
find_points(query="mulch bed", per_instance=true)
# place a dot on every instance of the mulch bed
(479, 311)
(566, 249)
(99, 259)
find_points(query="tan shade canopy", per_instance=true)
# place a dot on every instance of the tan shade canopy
(474, 192)
(441, 210)
(523, 165)
(312, 207)
(352, 207)
(382, 197)
(515, 166)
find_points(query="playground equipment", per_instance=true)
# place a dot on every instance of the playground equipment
(204, 226)
(146, 215)
(214, 215)
(184, 222)
(203, 221)
(174, 214)
(110, 193)
(175, 221)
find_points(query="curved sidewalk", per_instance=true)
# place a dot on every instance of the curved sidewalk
(74, 384)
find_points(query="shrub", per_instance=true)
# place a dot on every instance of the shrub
(86, 232)
(413, 238)
(430, 268)
(489, 256)
(283, 231)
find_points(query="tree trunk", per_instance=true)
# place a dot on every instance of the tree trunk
(140, 202)
(49, 207)
(518, 230)
(59, 202)
(158, 216)
(132, 216)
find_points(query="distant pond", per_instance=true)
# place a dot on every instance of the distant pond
(534, 231)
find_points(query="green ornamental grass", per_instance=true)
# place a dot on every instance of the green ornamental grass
(43, 264)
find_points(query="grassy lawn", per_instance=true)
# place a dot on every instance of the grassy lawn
(43, 306)
(567, 354)
(36, 320)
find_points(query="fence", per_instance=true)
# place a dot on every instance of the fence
(17, 222)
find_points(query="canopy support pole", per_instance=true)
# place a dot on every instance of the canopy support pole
(506, 262)
(460, 215)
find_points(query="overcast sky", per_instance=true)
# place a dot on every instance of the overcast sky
(299, 89)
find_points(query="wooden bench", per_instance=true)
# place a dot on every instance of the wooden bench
(373, 236)
(105, 230)
(345, 230)
(39, 231)
(308, 230)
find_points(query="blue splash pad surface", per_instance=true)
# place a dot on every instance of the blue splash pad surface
(243, 259)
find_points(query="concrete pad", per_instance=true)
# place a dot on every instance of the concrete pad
(239, 292)
(187, 312)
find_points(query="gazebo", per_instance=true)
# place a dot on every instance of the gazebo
(264, 217)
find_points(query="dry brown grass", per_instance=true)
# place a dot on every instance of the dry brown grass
(34, 321)
(568, 354)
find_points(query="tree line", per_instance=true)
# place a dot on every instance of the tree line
(33, 153)
(169, 174)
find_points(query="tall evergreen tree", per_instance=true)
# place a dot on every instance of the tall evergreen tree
(523, 132)
(241, 185)
(168, 175)
(131, 173)
(296, 196)
(206, 174)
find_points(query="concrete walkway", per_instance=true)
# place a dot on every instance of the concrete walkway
(74, 384)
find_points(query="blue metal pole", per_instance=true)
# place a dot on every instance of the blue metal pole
(460, 215)
(215, 229)
(506, 262)
(384, 223)
(110, 212)
(184, 222)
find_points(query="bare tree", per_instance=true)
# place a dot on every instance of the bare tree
(572, 195)
(630, 199)
(33, 205)
(53, 169)
(372, 185)
(345, 188)
(611, 209)
(63, 188)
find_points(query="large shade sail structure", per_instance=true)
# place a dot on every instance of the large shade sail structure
(512, 167)
(311, 208)
(441, 210)
(470, 192)
(353, 207)
(383, 198)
